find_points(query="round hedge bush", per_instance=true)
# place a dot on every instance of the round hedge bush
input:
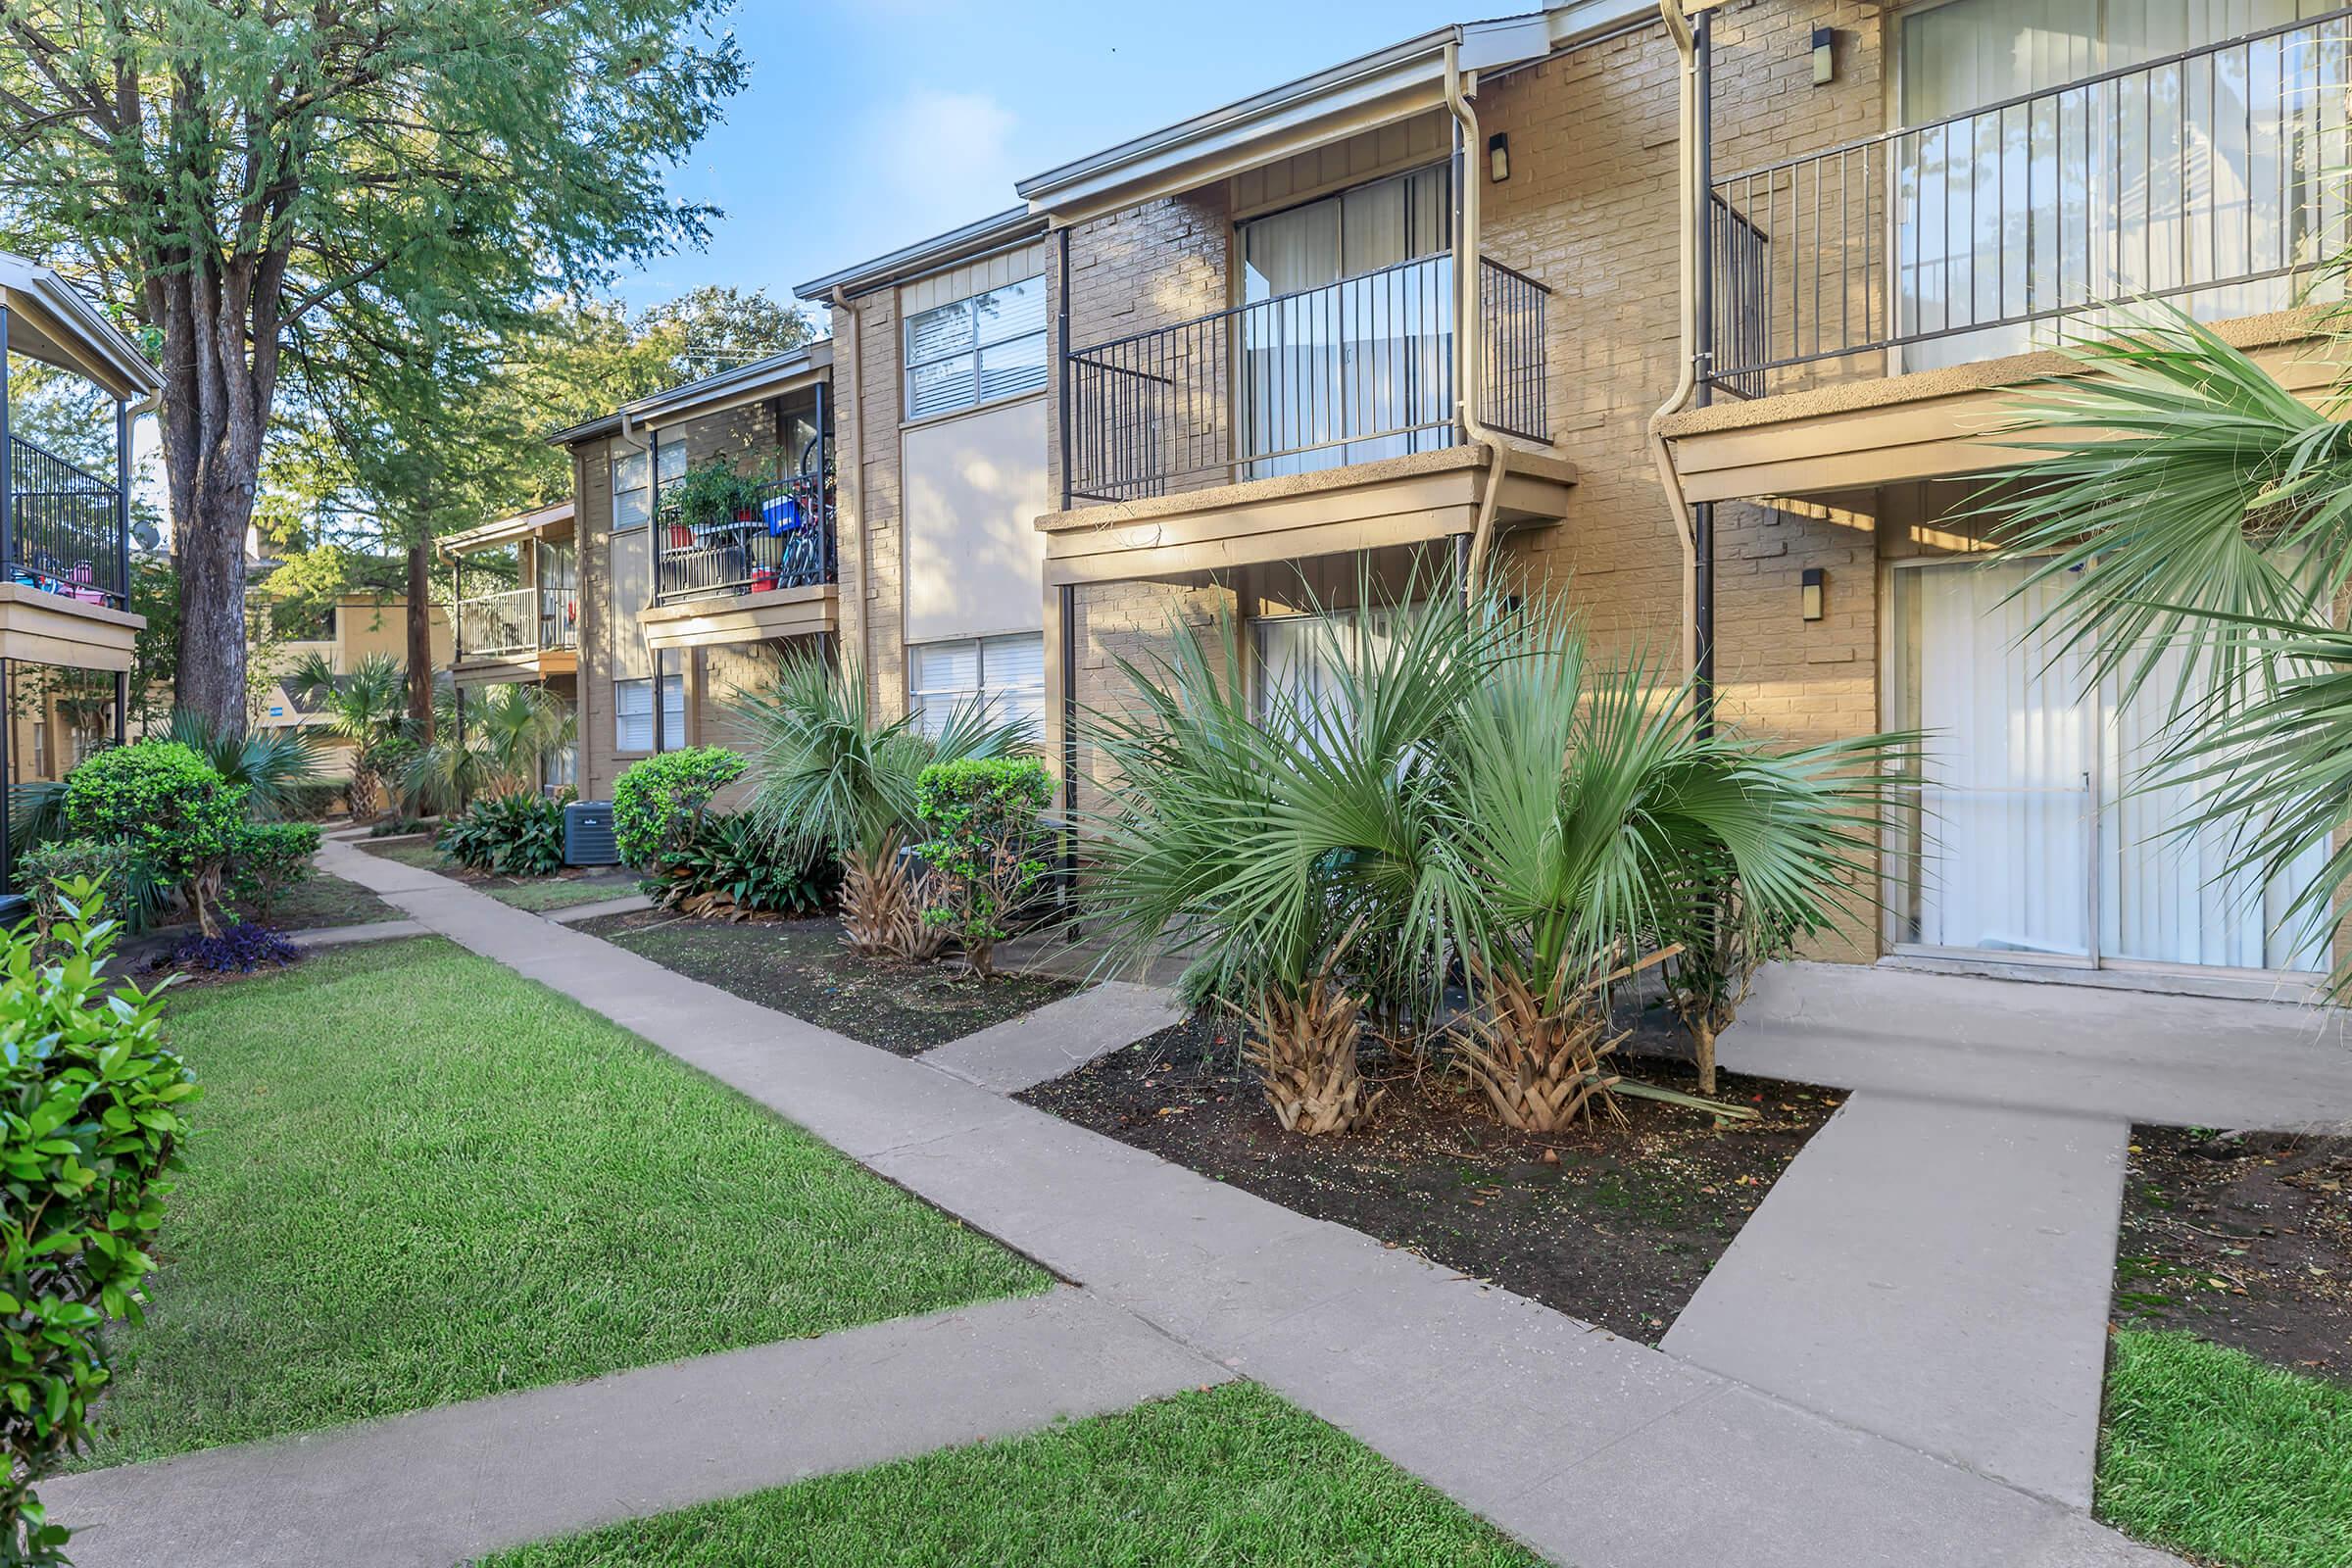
(177, 814)
(658, 805)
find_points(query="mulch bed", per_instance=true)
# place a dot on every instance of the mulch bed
(1618, 1232)
(2244, 1241)
(321, 902)
(803, 968)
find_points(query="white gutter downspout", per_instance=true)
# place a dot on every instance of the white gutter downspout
(1466, 339)
(1678, 26)
(840, 300)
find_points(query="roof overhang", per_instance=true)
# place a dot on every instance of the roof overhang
(1394, 83)
(989, 235)
(755, 382)
(50, 321)
(547, 522)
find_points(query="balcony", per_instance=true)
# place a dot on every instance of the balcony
(766, 571)
(528, 628)
(64, 549)
(1307, 424)
(1952, 256)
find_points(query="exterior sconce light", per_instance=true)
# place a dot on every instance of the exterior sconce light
(1815, 580)
(1498, 157)
(1825, 61)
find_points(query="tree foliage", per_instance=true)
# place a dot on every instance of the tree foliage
(290, 197)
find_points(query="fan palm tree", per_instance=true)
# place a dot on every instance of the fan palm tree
(2203, 513)
(496, 744)
(828, 779)
(272, 764)
(369, 707)
(1465, 791)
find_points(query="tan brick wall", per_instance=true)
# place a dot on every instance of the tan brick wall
(870, 522)
(600, 616)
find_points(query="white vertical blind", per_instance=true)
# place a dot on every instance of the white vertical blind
(2009, 864)
(2213, 168)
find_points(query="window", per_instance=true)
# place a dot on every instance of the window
(669, 462)
(633, 713)
(976, 351)
(632, 491)
(1007, 672)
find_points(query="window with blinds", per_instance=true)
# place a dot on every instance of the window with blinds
(976, 350)
(632, 491)
(1007, 672)
(633, 713)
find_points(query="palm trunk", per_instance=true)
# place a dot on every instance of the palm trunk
(1539, 1062)
(1303, 1046)
(1702, 1038)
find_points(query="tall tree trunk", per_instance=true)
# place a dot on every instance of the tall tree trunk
(421, 640)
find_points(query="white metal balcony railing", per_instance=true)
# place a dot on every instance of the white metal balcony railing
(1348, 372)
(516, 622)
(2210, 177)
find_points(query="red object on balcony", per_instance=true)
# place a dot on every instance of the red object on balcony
(763, 578)
(681, 536)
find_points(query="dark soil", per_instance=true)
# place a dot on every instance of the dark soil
(801, 967)
(2244, 1241)
(1619, 1232)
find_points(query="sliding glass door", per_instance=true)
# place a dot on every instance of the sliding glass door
(1347, 326)
(2040, 830)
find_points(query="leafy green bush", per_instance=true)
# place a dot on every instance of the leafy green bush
(511, 835)
(987, 846)
(735, 867)
(657, 804)
(90, 1122)
(102, 865)
(171, 807)
(270, 857)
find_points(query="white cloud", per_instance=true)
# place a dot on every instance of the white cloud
(942, 159)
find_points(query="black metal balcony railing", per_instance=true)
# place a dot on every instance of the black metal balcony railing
(64, 528)
(785, 541)
(1348, 372)
(2211, 176)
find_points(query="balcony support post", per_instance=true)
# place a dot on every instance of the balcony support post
(1702, 514)
(122, 502)
(7, 487)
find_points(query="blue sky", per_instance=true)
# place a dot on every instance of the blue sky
(869, 127)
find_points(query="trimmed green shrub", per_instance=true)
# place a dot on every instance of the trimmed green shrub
(102, 865)
(987, 849)
(90, 1123)
(736, 869)
(170, 806)
(270, 857)
(511, 835)
(657, 804)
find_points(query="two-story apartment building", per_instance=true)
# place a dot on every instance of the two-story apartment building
(1264, 315)
(65, 531)
(1704, 312)
(674, 614)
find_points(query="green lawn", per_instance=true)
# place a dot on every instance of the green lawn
(1228, 1476)
(2211, 1451)
(421, 1178)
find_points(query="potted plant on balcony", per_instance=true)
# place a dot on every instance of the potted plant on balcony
(711, 494)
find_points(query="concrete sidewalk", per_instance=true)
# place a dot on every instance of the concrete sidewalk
(1937, 1274)
(2126, 1056)
(444, 1486)
(1021, 1052)
(1590, 1448)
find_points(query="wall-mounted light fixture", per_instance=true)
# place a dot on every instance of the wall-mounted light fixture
(1498, 157)
(1825, 56)
(1814, 580)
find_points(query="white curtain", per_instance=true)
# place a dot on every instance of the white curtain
(2219, 167)
(1361, 348)
(2007, 861)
